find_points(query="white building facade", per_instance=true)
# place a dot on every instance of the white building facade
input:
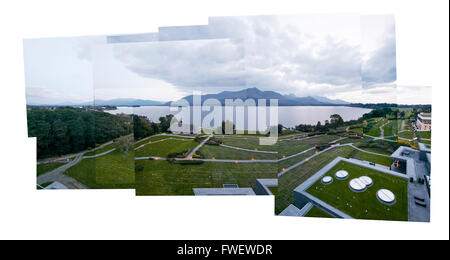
(423, 122)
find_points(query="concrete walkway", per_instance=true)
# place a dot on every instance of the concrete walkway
(297, 154)
(68, 156)
(307, 159)
(248, 150)
(364, 151)
(57, 175)
(100, 154)
(162, 140)
(191, 154)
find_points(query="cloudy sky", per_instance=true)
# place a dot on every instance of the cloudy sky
(350, 57)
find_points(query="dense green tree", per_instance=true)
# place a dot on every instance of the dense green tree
(65, 130)
(336, 121)
(164, 123)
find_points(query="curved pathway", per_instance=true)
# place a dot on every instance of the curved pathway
(100, 154)
(364, 151)
(248, 150)
(157, 141)
(57, 175)
(307, 159)
(189, 156)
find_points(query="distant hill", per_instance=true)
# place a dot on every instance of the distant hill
(127, 102)
(331, 101)
(283, 100)
(253, 93)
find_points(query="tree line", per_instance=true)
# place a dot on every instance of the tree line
(64, 130)
(336, 120)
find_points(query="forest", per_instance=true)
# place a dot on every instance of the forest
(65, 130)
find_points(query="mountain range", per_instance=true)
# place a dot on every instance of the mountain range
(253, 93)
(283, 100)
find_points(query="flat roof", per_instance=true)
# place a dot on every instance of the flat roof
(292, 210)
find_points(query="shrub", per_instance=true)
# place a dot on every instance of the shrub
(188, 162)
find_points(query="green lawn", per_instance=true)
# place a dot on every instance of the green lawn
(46, 167)
(274, 190)
(406, 134)
(377, 150)
(386, 161)
(375, 130)
(157, 138)
(289, 181)
(391, 128)
(315, 212)
(164, 148)
(113, 170)
(247, 142)
(218, 152)
(424, 134)
(163, 178)
(318, 140)
(339, 195)
(101, 150)
(286, 148)
(426, 141)
(291, 161)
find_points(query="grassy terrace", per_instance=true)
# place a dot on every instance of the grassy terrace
(289, 181)
(247, 142)
(424, 134)
(164, 148)
(218, 152)
(318, 140)
(406, 134)
(375, 150)
(315, 212)
(101, 150)
(391, 128)
(386, 161)
(113, 170)
(163, 178)
(339, 195)
(291, 161)
(46, 167)
(286, 148)
(157, 138)
(375, 130)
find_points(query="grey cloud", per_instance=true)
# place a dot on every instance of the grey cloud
(381, 66)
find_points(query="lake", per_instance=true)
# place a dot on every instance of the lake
(288, 116)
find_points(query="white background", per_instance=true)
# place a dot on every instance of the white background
(422, 52)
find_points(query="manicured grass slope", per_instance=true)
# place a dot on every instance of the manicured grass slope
(425, 134)
(101, 150)
(339, 195)
(46, 167)
(386, 161)
(391, 128)
(164, 148)
(249, 142)
(113, 170)
(218, 152)
(157, 138)
(163, 178)
(406, 134)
